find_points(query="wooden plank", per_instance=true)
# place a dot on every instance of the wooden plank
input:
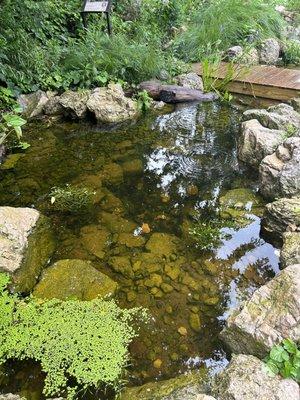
(261, 81)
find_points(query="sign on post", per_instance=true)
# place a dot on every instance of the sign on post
(94, 6)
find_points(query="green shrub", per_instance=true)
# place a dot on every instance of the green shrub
(284, 359)
(73, 340)
(71, 199)
(219, 24)
(291, 53)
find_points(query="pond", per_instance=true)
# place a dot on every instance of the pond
(157, 181)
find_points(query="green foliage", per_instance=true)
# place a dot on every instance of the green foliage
(71, 199)
(285, 360)
(219, 24)
(208, 234)
(144, 100)
(291, 53)
(73, 340)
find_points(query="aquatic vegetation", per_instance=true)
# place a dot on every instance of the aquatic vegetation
(71, 198)
(208, 234)
(144, 100)
(284, 359)
(73, 340)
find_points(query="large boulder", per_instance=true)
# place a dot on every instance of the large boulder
(271, 315)
(281, 216)
(110, 105)
(256, 142)
(26, 244)
(188, 387)
(290, 252)
(75, 103)
(33, 104)
(279, 173)
(246, 378)
(281, 116)
(190, 80)
(74, 279)
(269, 51)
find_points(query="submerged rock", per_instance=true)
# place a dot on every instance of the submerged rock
(11, 161)
(236, 203)
(26, 244)
(188, 387)
(280, 216)
(111, 106)
(269, 51)
(112, 174)
(74, 279)
(246, 378)
(162, 244)
(74, 103)
(256, 142)
(33, 104)
(271, 315)
(290, 252)
(279, 173)
(116, 224)
(95, 239)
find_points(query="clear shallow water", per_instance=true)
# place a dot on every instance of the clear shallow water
(167, 171)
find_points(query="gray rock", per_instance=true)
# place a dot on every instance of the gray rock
(188, 387)
(269, 52)
(10, 396)
(75, 103)
(111, 106)
(190, 80)
(281, 216)
(272, 314)
(33, 104)
(246, 378)
(26, 244)
(250, 57)
(256, 142)
(234, 53)
(279, 173)
(281, 116)
(296, 104)
(290, 252)
(53, 106)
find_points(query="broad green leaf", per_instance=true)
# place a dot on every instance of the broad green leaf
(290, 346)
(14, 120)
(277, 354)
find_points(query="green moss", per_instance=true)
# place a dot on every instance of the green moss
(41, 245)
(74, 279)
(75, 341)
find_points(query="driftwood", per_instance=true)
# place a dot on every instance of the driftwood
(175, 93)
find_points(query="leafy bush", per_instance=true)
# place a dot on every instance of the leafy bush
(291, 53)
(219, 24)
(285, 360)
(71, 199)
(73, 340)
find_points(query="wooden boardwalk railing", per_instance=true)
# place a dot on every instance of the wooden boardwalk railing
(260, 81)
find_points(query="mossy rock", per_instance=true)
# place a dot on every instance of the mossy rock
(131, 241)
(112, 174)
(11, 161)
(116, 224)
(163, 244)
(122, 265)
(67, 279)
(95, 240)
(183, 387)
(26, 244)
(239, 202)
(133, 167)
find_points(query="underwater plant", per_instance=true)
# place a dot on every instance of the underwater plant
(71, 198)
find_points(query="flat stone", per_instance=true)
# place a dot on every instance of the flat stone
(122, 265)
(26, 244)
(131, 241)
(95, 239)
(271, 315)
(116, 224)
(67, 279)
(246, 378)
(162, 244)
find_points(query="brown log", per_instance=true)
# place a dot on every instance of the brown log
(175, 93)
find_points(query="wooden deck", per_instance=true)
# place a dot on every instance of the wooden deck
(267, 82)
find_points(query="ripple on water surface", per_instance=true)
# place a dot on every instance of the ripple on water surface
(155, 181)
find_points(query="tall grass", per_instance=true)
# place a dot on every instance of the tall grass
(219, 24)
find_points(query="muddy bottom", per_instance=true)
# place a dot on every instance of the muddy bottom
(175, 221)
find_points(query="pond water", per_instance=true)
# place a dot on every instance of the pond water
(169, 172)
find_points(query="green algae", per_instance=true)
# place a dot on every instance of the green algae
(67, 279)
